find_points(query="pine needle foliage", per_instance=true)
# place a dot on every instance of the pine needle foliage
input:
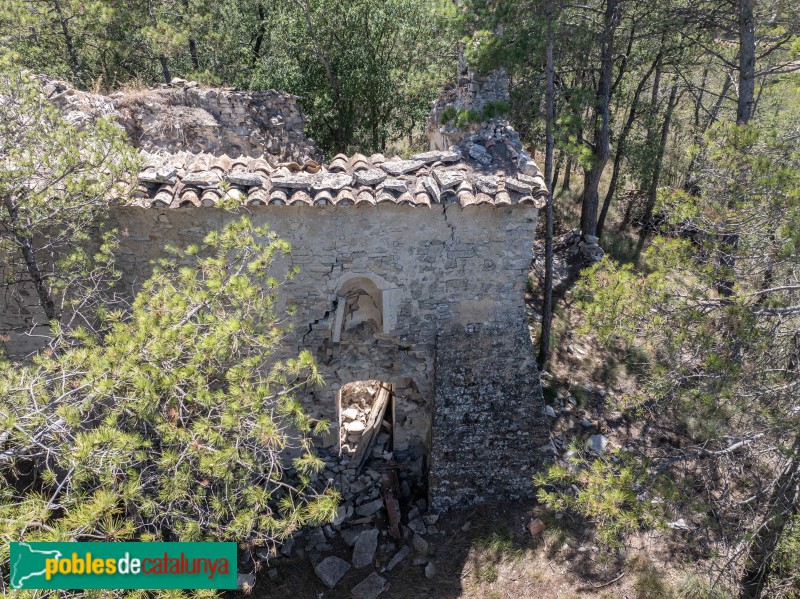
(178, 424)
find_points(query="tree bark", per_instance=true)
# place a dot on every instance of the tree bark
(547, 307)
(25, 243)
(744, 110)
(621, 146)
(556, 172)
(72, 55)
(260, 35)
(652, 192)
(747, 62)
(689, 182)
(162, 58)
(602, 133)
(565, 186)
(782, 505)
(192, 43)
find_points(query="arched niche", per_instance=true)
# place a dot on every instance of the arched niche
(364, 297)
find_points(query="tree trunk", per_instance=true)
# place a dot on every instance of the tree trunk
(650, 142)
(192, 43)
(602, 132)
(556, 173)
(621, 143)
(260, 35)
(72, 55)
(782, 505)
(565, 186)
(547, 307)
(652, 192)
(744, 110)
(162, 58)
(689, 182)
(747, 62)
(25, 243)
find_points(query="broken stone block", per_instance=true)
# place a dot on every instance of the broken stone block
(246, 581)
(597, 443)
(286, 548)
(341, 514)
(398, 557)
(431, 519)
(364, 548)
(419, 544)
(430, 570)
(369, 588)
(350, 535)
(330, 570)
(317, 537)
(368, 509)
(356, 426)
(536, 527)
(418, 526)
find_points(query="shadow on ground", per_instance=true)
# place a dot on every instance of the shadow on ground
(485, 553)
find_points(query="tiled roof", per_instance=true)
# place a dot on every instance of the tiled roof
(184, 180)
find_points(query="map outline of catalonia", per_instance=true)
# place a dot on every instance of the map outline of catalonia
(16, 582)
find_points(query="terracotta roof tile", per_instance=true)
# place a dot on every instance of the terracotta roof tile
(186, 180)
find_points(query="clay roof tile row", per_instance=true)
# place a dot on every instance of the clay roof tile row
(185, 180)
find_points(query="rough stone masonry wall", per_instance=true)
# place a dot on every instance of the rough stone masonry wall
(471, 92)
(183, 116)
(451, 287)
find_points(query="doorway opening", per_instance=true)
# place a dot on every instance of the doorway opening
(366, 422)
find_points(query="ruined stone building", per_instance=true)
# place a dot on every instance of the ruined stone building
(412, 272)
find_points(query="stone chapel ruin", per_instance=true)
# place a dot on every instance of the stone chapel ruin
(412, 274)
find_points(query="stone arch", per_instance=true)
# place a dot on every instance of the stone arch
(364, 297)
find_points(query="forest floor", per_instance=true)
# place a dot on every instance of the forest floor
(488, 553)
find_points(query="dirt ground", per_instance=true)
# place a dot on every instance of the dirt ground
(488, 553)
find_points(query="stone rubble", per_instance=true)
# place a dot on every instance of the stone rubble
(364, 548)
(369, 588)
(186, 116)
(331, 570)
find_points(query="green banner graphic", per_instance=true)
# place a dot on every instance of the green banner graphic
(123, 565)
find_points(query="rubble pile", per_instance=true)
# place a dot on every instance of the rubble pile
(356, 406)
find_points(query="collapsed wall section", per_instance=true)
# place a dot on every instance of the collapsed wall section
(185, 117)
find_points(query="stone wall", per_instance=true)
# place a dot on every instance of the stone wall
(450, 336)
(184, 116)
(473, 91)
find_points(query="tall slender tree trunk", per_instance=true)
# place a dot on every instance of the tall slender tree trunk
(556, 173)
(547, 308)
(621, 146)
(72, 55)
(652, 192)
(782, 505)
(602, 132)
(162, 58)
(565, 186)
(747, 62)
(689, 182)
(744, 111)
(260, 35)
(192, 43)
(25, 243)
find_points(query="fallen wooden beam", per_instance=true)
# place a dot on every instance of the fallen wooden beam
(370, 434)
